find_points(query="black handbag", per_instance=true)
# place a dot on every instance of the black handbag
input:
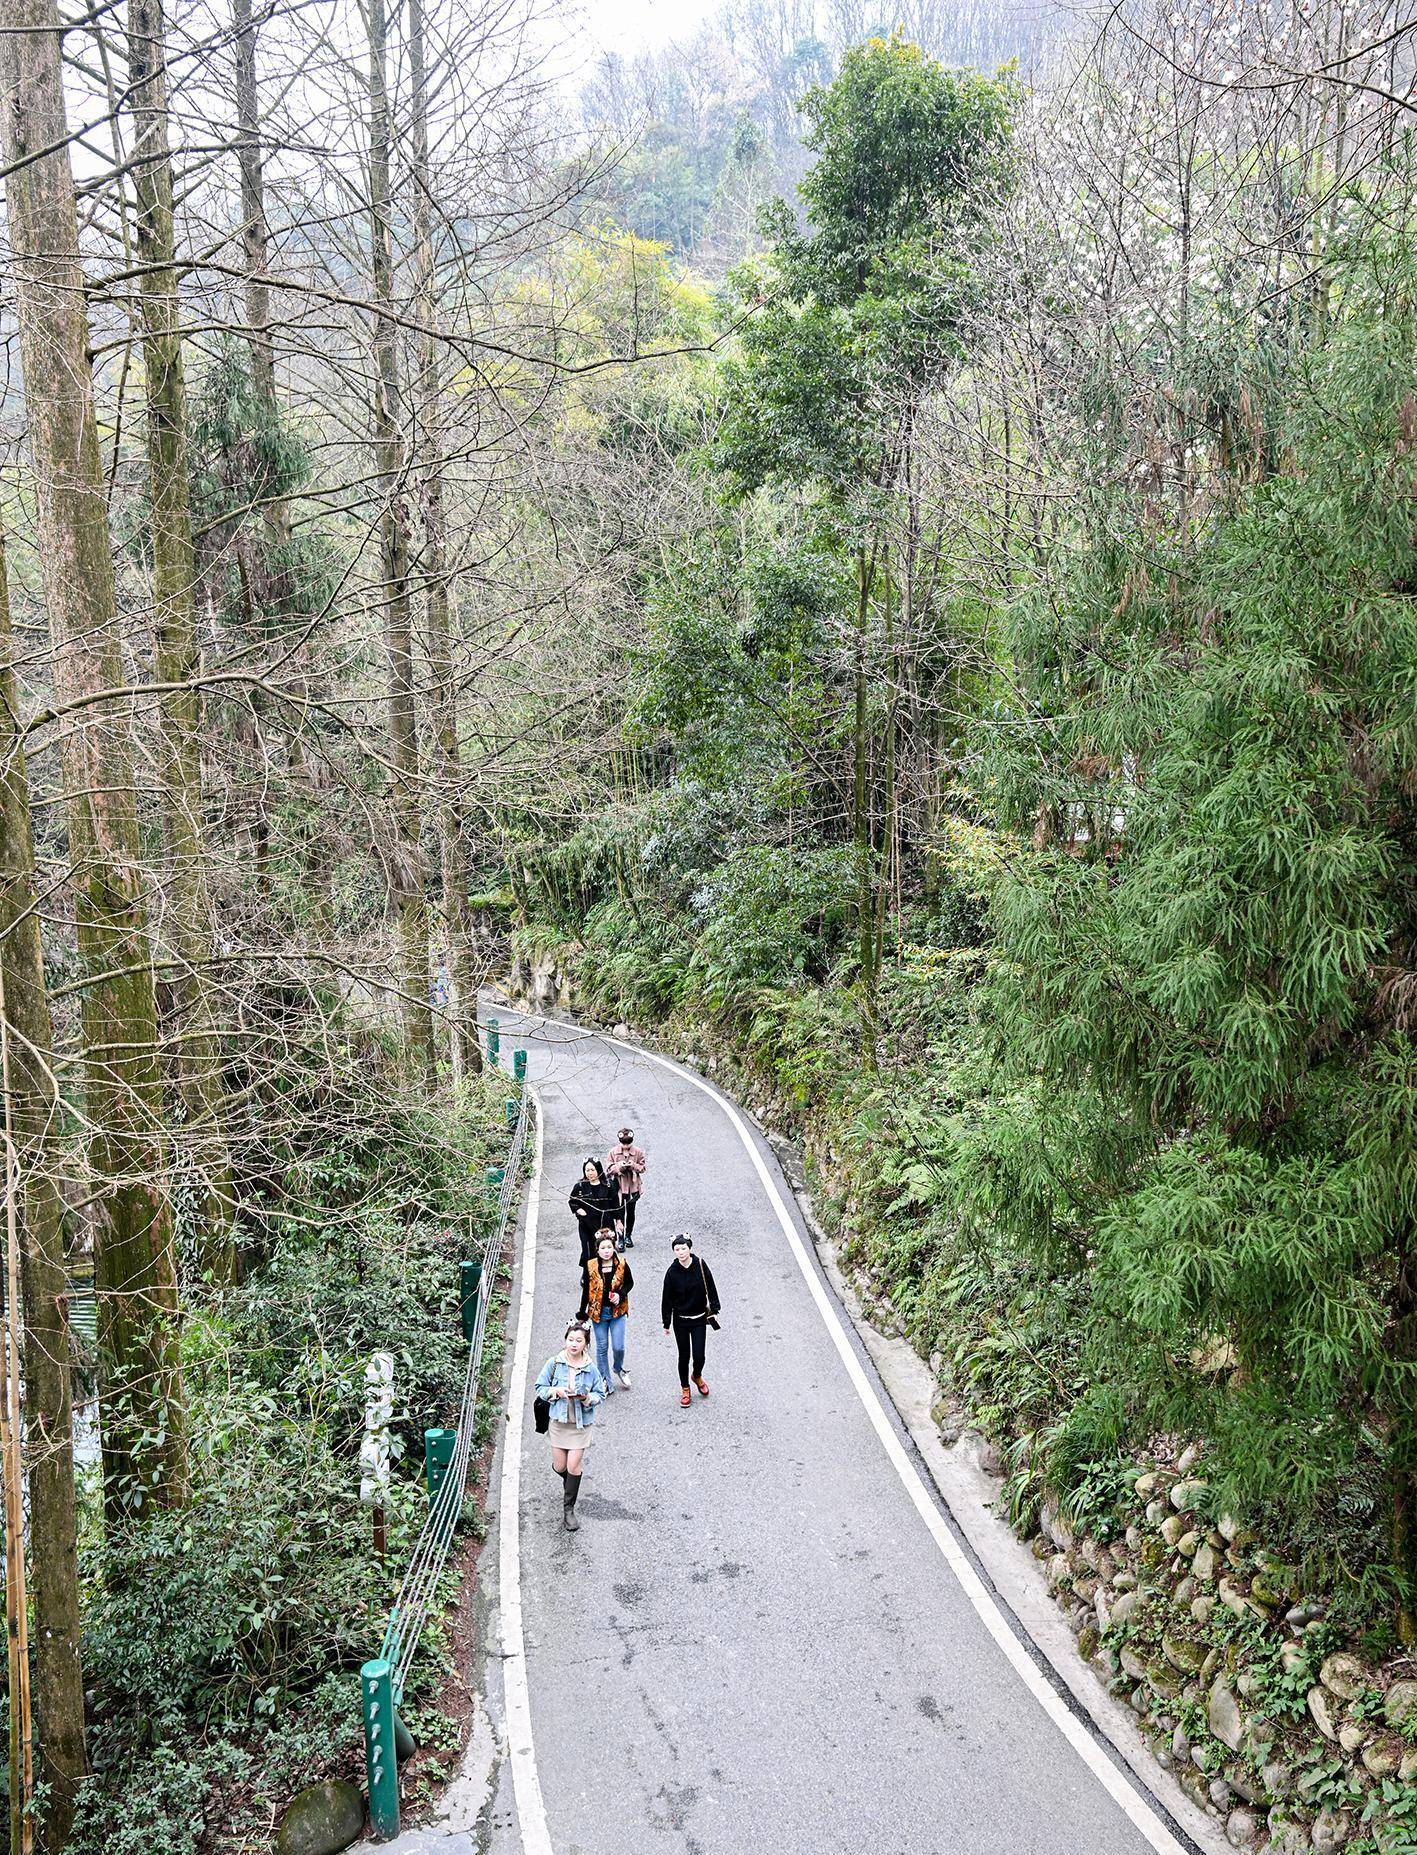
(708, 1312)
(541, 1415)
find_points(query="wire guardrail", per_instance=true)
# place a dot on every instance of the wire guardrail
(382, 1680)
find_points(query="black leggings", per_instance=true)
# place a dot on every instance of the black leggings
(690, 1334)
(628, 1202)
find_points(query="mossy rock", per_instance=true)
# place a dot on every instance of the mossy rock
(1163, 1678)
(321, 1820)
(1267, 1595)
(1400, 1707)
(1187, 1656)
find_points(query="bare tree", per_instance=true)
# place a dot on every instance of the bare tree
(32, 1117)
(143, 1441)
(175, 630)
(467, 1054)
(406, 859)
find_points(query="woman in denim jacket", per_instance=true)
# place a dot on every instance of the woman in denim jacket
(572, 1386)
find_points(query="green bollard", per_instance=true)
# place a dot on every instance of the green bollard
(511, 1111)
(438, 1447)
(381, 1768)
(519, 1065)
(494, 1040)
(471, 1282)
(494, 1176)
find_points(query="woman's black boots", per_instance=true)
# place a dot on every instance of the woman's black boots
(573, 1488)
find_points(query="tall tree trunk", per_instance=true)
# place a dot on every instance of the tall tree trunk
(406, 863)
(34, 1120)
(255, 232)
(467, 1053)
(888, 868)
(271, 574)
(255, 239)
(144, 1457)
(177, 656)
(867, 942)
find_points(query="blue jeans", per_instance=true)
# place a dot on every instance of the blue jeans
(610, 1337)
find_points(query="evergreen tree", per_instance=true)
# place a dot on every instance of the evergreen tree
(856, 316)
(1208, 997)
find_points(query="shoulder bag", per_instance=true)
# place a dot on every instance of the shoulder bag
(541, 1414)
(703, 1277)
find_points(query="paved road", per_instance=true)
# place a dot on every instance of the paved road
(754, 1642)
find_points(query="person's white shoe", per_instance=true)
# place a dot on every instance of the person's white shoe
(624, 1378)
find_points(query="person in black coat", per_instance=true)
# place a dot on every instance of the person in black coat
(690, 1305)
(595, 1202)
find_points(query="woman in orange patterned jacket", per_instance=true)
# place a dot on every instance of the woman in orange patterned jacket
(606, 1281)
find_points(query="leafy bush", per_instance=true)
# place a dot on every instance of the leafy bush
(769, 916)
(221, 1640)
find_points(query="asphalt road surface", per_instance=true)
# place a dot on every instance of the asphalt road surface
(754, 1642)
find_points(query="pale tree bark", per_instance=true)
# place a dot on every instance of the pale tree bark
(272, 578)
(467, 1054)
(175, 630)
(406, 861)
(255, 231)
(144, 1457)
(255, 238)
(34, 1127)
(868, 945)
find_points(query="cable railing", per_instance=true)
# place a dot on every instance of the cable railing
(447, 1458)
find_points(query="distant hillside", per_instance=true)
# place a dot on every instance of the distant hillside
(708, 128)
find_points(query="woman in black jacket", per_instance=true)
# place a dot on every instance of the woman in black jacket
(690, 1304)
(595, 1202)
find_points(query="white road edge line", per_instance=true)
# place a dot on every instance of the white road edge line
(1118, 1786)
(526, 1780)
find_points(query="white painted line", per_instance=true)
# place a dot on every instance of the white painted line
(1117, 1785)
(526, 1780)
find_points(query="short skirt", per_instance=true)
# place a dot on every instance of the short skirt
(567, 1436)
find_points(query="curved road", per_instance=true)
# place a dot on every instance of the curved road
(755, 1641)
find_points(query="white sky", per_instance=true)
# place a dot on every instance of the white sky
(629, 26)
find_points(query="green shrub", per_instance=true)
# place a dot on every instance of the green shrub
(222, 1640)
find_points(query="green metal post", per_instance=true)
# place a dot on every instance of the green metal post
(494, 1176)
(519, 1065)
(438, 1447)
(381, 1767)
(511, 1111)
(471, 1282)
(494, 1040)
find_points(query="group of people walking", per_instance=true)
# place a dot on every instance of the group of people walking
(574, 1382)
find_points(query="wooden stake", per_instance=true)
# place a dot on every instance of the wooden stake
(16, 1597)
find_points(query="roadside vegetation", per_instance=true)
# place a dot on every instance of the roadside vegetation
(223, 1639)
(886, 562)
(1014, 766)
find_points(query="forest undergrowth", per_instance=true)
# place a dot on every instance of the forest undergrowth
(223, 1639)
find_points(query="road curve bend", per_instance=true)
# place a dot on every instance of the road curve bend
(755, 1641)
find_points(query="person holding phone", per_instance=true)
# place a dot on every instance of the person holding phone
(572, 1387)
(625, 1163)
(690, 1306)
(595, 1202)
(606, 1281)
